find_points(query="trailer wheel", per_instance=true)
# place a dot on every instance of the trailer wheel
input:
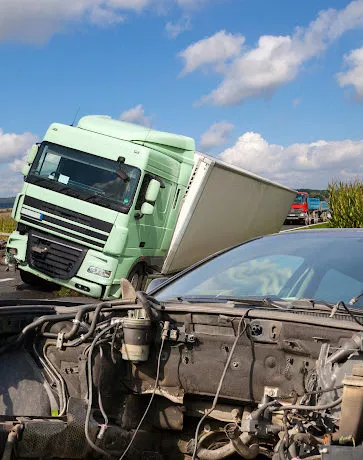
(36, 281)
(138, 277)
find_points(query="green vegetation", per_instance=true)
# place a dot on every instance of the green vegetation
(322, 194)
(326, 225)
(7, 224)
(346, 204)
(67, 292)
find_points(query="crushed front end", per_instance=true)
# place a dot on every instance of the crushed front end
(137, 380)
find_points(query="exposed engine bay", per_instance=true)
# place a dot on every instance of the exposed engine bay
(137, 380)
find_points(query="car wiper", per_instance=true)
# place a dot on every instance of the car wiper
(252, 301)
(258, 301)
(195, 299)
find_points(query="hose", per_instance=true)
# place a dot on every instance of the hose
(151, 305)
(90, 392)
(276, 404)
(236, 445)
(62, 391)
(348, 347)
(12, 438)
(80, 315)
(38, 322)
(90, 331)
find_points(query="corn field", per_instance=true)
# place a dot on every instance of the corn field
(346, 204)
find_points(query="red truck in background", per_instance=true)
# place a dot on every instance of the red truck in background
(306, 210)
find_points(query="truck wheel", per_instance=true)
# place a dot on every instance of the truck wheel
(33, 280)
(138, 277)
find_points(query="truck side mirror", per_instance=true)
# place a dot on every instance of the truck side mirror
(25, 169)
(32, 154)
(152, 191)
(147, 209)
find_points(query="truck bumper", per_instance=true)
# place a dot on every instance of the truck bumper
(84, 282)
(294, 217)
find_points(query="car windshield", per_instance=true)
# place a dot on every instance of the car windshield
(311, 264)
(88, 177)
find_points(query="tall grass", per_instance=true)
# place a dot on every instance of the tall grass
(7, 224)
(346, 204)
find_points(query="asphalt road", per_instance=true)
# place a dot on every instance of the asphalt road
(11, 287)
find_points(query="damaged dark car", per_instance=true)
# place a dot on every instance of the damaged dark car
(255, 352)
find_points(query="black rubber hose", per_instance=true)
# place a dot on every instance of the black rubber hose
(152, 307)
(80, 315)
(276, 404)
(12, 438)
(90, 331)
(38, 322)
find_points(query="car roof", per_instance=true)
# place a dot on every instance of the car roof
(322, 231)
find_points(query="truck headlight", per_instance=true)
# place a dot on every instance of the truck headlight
(99, 271)
(303, 214)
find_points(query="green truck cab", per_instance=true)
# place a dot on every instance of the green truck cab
(100, 202)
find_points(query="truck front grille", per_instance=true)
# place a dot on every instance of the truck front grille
(53, 256)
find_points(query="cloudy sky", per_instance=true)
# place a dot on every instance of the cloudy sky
(275, 87)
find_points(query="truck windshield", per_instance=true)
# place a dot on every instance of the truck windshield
(88, 177)
(300, 199)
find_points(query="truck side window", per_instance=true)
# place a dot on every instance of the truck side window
(143, 188)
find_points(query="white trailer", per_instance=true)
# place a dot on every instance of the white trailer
(224, 205)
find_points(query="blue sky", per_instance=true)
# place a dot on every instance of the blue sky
(236, 75)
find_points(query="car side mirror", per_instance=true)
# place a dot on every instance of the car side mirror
(32, 154)
(152, 191)
(147, 209)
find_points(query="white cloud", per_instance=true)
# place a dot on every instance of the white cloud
(136, 115)
(37, 20)
(218, 134)
(297, 165)
(14, 145)
(174, 29)
(13, 148)
(192, 4)
(215, 50)
(10, 183)
(276, 60)
(354, 75)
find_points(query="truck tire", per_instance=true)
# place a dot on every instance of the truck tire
(138, 277)
(33, 280)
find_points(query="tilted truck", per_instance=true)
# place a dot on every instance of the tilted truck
(106, 200)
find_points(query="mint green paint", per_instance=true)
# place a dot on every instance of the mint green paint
(168, 156)
(135, 133)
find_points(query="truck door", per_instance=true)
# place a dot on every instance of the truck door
(150, 230)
